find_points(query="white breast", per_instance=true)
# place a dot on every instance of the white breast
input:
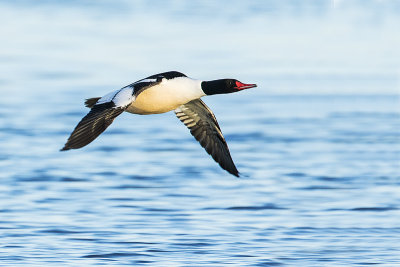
(166, 96)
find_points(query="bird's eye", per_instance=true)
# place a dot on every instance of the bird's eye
(159, 78)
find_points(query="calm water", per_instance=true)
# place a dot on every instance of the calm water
(322, 169)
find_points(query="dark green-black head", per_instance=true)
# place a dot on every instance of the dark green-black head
(224, 86)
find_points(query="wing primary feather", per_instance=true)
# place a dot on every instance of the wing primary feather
(204, 127)
(92, 125)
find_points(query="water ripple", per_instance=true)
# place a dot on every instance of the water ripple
(322, 171)
(263, 207)
(116, 255)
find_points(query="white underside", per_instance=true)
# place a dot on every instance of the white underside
(166, 96)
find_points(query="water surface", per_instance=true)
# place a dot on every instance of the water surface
(318, 140)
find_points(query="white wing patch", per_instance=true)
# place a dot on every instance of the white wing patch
(121, 98)
(124, 97)
(146, 81)
(108, 97)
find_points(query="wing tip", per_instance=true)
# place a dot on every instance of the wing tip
(65, 148)
(234, 172)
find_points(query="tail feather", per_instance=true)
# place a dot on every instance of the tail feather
(90, 102)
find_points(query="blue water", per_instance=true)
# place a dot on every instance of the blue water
(318, 143)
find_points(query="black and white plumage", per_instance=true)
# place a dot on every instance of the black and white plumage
(161, 93)
(204, 127)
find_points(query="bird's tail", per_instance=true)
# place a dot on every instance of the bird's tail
(90, 102)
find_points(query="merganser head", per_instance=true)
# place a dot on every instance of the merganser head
(224, 86)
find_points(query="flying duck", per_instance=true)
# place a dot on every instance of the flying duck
(161, 93)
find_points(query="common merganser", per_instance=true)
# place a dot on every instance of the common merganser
(161, 93)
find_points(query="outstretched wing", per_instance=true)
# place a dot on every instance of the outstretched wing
(204, 127)
(105, 109)
(99, 118)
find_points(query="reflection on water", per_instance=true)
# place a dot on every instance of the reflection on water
(321, 170)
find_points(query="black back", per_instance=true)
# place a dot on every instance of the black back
(168, 75)
(143, 84)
